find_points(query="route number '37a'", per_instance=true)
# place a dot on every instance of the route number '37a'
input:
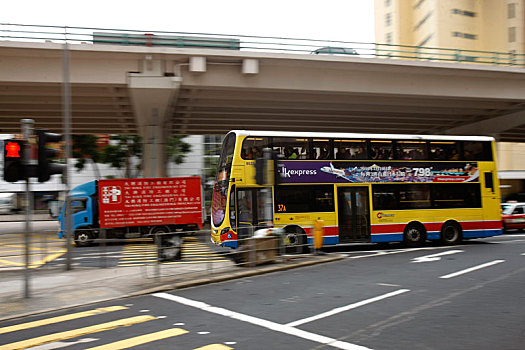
(422, 171)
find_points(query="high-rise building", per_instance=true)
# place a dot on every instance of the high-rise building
(484, 25)
(479, 25)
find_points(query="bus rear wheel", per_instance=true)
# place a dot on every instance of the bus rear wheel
(414, 235)
(451, 233)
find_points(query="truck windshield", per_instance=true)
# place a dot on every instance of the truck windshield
(220, 190)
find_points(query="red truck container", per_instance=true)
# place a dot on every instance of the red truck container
(175, 203)
(127, 208)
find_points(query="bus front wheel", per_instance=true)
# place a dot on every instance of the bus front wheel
(414, 235)
(295, 241)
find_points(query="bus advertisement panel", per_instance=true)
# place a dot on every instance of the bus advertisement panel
(364, 172)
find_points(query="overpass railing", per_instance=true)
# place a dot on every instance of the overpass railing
(126, 37)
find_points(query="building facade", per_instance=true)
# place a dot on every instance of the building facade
(483, 26)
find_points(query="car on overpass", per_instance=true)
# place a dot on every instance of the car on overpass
(332, 50)
(513, 216)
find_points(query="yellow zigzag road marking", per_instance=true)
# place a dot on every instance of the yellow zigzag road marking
(57, 319)
(141, 339)
(24, 344)
(193, 251)
(34, 264)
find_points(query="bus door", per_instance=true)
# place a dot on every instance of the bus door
(354, 214)
(250, 211)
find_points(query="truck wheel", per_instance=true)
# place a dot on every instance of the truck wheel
(83, 238)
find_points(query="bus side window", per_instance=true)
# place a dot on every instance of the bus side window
(322, 149)
(489, 180)
(252, 147)
(444, 150)
(412, 150)
(381, 150)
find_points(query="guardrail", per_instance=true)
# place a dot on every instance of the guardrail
(127, 37)
(180, 253)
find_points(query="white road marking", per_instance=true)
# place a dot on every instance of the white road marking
(472, 269)
(435, 257)
(347, 307)
(377, 253)
(388, 285)
(277, 327)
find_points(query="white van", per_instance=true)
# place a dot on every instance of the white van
(8, 203)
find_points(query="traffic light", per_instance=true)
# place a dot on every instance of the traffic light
(14, 167)
(278, 167)
(46, 167)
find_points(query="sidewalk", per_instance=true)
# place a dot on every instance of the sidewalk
(58, 289)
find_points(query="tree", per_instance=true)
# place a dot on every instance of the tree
(85, 147)
(120, 151)
(123, 152)
(177, 149)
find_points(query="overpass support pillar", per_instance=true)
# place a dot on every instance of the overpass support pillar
(152, 97)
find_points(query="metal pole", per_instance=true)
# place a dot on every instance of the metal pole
(66, 109)
(27, 132)
(267, 190)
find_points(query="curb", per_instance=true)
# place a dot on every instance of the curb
(226, 276)
(232, 276)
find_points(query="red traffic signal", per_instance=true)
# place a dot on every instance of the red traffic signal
(14, 167)
(12, 149)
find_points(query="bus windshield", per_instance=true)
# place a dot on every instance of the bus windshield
(220, 190)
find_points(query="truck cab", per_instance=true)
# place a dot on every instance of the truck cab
(83, 202)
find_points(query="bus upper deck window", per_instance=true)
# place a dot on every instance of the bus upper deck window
(252, 147)
(411, 150)
(445, 150)
(291, 147)
(381, 149)
(350, 149)
(477, 150)
(322, 149)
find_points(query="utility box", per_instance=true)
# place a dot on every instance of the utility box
(259, 250)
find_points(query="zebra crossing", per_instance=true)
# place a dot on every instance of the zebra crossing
(193, 251)
(74, 329)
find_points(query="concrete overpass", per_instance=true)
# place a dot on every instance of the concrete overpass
(157, 91)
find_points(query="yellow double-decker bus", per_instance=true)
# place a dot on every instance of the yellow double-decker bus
(364, 187)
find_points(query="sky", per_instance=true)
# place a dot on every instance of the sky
(345, 20)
